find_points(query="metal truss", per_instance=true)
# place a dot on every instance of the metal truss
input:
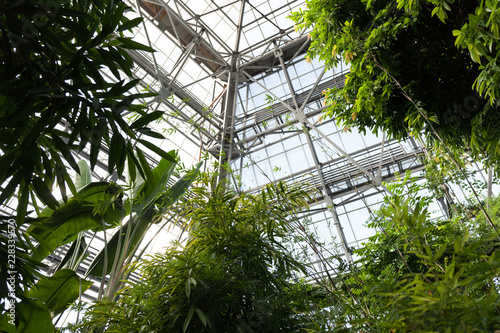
(234, 132)
(232, 82)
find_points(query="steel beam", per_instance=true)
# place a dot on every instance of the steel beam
(226, 142)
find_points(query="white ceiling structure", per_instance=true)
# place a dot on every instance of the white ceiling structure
(236, 81)
(232, 77)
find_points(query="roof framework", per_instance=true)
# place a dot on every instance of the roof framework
(232, 80)
(236, 72)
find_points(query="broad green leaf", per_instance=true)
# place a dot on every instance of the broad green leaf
(179, 188)
(73, 253)
(156, 183)
(58, 226)
(57, 231)
(33, 316)
(59, 291)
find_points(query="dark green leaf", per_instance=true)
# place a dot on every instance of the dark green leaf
(44, 193)
(130, 24)
(128, 43)
(146, 119)
(157, 150)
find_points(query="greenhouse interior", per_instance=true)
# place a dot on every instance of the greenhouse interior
(250, 166)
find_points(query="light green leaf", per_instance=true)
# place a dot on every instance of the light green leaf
(179, 188)
(84, 177)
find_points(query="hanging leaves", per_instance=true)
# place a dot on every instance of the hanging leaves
(415, 67)
(54, 101)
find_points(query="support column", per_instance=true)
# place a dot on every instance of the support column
(226, 147)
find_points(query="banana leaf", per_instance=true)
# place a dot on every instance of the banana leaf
(77, 215)
(156, 192)
(33, 316)
(59, 291)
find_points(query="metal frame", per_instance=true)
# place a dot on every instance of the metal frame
(234, 125)
(220, 130)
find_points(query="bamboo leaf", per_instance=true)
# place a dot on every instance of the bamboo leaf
(146, 119)
(157, 150)
(130, 24)
(188, 319)
(202, 317)
(43, 192)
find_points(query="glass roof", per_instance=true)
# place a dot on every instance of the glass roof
(277, 131)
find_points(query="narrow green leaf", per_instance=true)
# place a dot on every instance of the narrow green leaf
(128, 43)
(131, 171)
(440, 252)
(202, 317)
(188, 319)
(146, 119)
(114, 147)
(144, 166)
(157, 150)
(65, 150)
(130, 24)
(43, 192)
(155, 185)
(188, 288)
(149, 132)
(178, 189)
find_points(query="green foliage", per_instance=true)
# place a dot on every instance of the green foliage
(232, 275)
(54, 228)
(58, 291)
(54, 100)
(419, 275)
(415, 66)
(18, 271)
(95, 207)
(32, 316)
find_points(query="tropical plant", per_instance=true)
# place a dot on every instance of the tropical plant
(418, 274)
(96, 207)
(55, 99)
(415, 67)
(232, 275)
